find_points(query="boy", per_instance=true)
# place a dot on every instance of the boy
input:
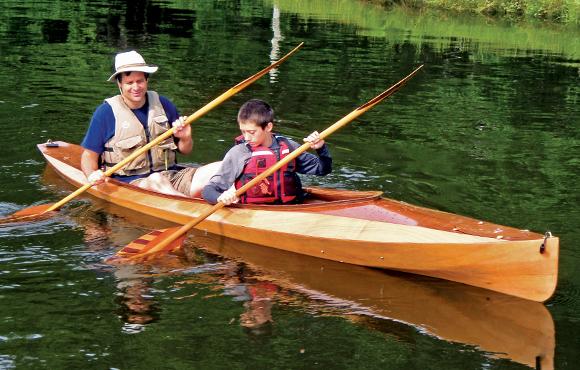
(257, 149)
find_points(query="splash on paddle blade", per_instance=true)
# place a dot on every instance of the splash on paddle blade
(29, 214)
(138, 249)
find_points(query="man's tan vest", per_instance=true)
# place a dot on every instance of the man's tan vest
(130, 135)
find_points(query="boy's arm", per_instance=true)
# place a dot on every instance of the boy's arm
(210, 192)
(232, 167)
(309, 164)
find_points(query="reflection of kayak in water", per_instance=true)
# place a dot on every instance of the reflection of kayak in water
(505, 326)
(360, 228)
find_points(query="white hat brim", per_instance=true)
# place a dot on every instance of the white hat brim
(145, 69)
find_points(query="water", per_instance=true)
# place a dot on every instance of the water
(489, 129)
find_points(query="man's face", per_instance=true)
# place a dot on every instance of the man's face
(134, 88)
(255, 135)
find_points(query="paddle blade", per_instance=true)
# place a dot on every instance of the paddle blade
(28, 214)
(138, 248)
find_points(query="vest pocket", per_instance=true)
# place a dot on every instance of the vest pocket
(161, 120)
(126, 147)
(159, 127)
(129, 143)
(164, 153)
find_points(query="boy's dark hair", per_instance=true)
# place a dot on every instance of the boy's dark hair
(127, 73)
(256, 111)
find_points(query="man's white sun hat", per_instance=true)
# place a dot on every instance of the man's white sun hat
(131, 61)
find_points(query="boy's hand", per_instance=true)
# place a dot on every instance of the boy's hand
(315, 141)
(229, 197)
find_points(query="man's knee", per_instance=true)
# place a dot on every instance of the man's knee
(155, 177)
(155, 181)
(206, 172)
(202, 176)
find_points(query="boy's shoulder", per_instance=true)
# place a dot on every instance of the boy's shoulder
(239, 149)
(288, 140)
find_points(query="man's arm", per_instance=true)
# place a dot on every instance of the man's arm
(89, 162)
(101, 129)
(90, 167)
(182, 134)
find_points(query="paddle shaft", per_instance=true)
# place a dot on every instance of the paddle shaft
(295, 153)
(196, 115)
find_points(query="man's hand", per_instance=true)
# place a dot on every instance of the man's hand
(96, 177)
(229, 197)
(182, 131)
(315, 141)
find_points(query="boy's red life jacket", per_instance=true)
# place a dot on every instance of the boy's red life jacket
(280, 187)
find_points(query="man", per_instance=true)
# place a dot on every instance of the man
(259, 149)
(126, 122)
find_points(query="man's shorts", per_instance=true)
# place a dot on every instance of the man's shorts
(181, 180)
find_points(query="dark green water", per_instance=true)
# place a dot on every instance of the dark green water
(489, 129)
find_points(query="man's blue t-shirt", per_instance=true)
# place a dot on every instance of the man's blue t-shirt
(102, 127)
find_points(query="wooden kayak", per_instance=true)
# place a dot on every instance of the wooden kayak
(356, 227)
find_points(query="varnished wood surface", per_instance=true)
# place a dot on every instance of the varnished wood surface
(359, 228)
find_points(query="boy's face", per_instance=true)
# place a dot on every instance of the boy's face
(255, 135)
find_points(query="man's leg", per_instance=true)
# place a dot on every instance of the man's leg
(188, 182)
(201, 177)
(159, 183)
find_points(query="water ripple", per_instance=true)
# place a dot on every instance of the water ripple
(7, 361)
(47, 226)
(567, 295)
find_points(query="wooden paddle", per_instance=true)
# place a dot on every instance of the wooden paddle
(40, 211)
(164, 240)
